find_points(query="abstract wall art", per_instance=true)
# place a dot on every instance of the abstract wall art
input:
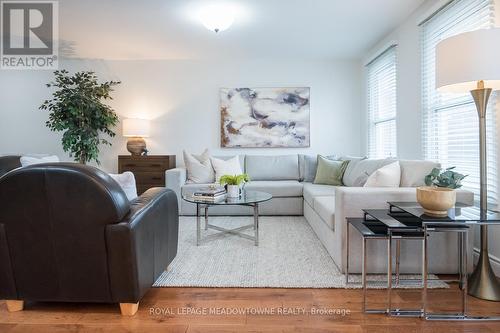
(265, 117)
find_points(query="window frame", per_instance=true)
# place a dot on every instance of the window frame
(436, 105)
(373, 119)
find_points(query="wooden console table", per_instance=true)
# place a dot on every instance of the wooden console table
(149, 171)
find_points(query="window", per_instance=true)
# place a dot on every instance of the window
(450, 131)
(382, 104)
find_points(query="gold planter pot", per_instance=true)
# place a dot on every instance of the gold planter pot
(436, 201)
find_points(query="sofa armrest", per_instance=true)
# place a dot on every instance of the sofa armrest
(350, 202)
(142, 245)
(174, 180)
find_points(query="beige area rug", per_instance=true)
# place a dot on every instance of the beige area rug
(289, 255)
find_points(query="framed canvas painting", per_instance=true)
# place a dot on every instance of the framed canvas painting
(265, 117)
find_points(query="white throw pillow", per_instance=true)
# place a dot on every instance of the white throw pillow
(386, 176)
(413, 172)
(31, 160)
(199, 168)
(126, 181)
(229, 167)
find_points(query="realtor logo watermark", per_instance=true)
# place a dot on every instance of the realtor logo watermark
(29, 34)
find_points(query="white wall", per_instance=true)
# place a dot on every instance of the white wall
(181, 98)
(409, 103)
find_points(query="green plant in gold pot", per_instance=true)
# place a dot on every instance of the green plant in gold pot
(233, 184)
(439, 194)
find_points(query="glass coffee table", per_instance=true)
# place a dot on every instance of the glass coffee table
(247, 198)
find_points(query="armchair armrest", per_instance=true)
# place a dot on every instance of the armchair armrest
(142, 245)
(174, 180)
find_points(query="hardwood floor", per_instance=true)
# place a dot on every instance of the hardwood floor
(171, 310)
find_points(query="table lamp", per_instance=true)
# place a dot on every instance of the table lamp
(136, 130)
(470, 62)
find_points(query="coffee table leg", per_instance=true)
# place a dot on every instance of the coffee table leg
(198, 226)
(206, 217)
(256, 223)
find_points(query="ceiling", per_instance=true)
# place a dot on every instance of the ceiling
(168, 29)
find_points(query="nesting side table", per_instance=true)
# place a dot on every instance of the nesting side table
(379, 225)
(407, 220)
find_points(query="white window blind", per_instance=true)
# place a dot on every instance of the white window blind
(381, 76)
(450, 122)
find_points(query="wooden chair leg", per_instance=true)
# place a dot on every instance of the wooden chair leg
(129, 309)
(14, 305)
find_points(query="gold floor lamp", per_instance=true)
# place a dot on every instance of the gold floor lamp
(470, 62)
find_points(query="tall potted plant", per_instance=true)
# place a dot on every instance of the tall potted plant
(77, 109)
(439, 193)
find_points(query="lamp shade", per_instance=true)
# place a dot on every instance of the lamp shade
(136, 127)
(465, 59)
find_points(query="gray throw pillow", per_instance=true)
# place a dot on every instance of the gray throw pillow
(349, 179)
(361, 180)
(358, 171)
(330, 172)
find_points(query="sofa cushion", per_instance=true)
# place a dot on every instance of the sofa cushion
(325, 208)
(316, 190)
(284, 167)
(357, 171)
(413, 172)
(279, 188)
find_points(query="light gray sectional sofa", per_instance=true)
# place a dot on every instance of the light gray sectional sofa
(289, 178)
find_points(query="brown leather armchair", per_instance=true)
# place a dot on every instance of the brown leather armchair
(69, 234)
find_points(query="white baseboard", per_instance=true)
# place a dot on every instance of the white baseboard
(495, 261)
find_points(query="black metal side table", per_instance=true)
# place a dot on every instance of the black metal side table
(459, 220)
(407, 220)
(368, 231)
(381, 225)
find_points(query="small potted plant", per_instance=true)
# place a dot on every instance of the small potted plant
(233, 184)
(439, 194)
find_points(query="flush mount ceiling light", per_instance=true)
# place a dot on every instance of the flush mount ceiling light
(217, 17)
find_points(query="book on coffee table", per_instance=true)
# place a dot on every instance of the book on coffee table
(210, 198)
(210, 192)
